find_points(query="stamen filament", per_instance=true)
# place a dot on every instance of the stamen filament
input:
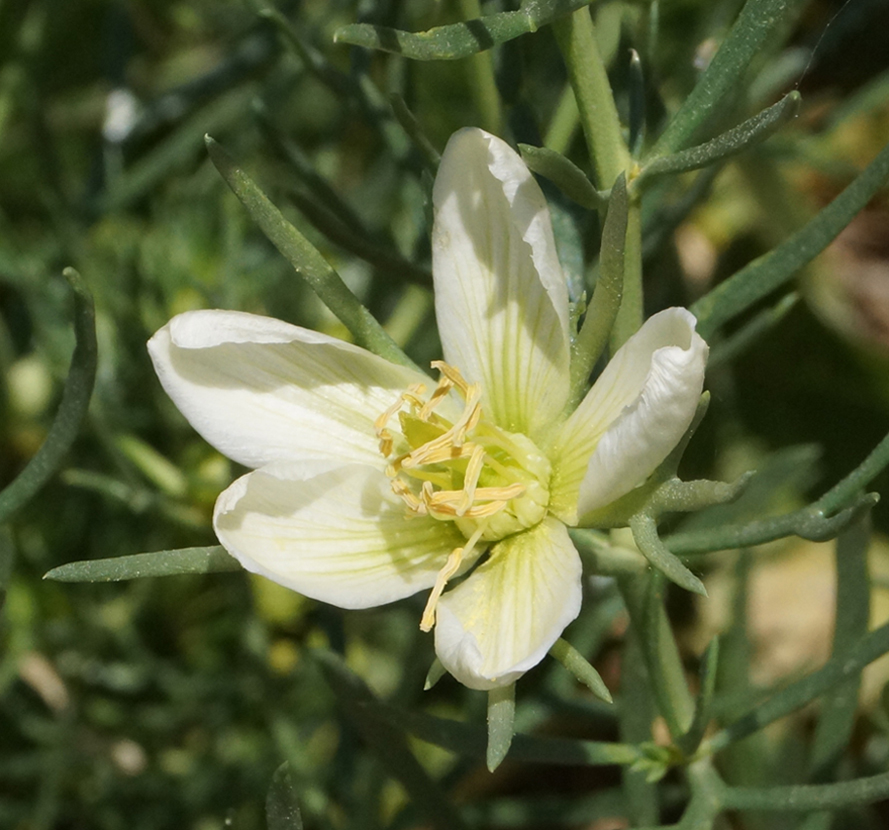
(470, 480)
(450, 568)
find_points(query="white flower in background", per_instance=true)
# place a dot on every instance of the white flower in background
(370, 482)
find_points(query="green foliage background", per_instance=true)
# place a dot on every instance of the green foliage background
(171, 702)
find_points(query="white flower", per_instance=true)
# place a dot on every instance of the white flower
(370, 482)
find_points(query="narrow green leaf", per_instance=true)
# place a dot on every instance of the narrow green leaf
(644, 527)
(750, 332)
(204, 560)
(644, 598)
(307, 261)
(458, 40)
(281, 804)
(810, 522)
(501, 724)
(805, 797)
(415, 131)
(436, 672)
(564, 174)
(756, 21)
(691, 740)
(576, 36)
(605, 304)
(752, 131)
(575, 662)
(637, 103)
(388, 262)
(72, 409)
(385, 737)
(845, 490)
(471, 740)
(637, 712)
(836, 671)
(7, 557)
(770, 271)
(838, 709)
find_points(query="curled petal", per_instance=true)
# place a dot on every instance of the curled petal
(631, 419)
(336, 534)
(261, 390)
(500, 296)
(505, 617)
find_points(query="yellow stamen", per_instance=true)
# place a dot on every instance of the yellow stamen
(450, 568)
(441, 392)
(383, 434)
(470, 480)
(452, 373)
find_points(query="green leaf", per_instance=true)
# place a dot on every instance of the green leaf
(471, 740)
(770, 271)
(575, 662)
(836, 671)
(436, 672)
(501, 724)
(837, 713)
(804, 797)
(459, 40)
(644, 527)
(204, 560)
(690, 741)
(738, 342)
(750, 132)
(636, 85)
(607, 296)
(564, 174)
(72, 409)
(385, 737)
(412, 127)
(307, 261)
(712, 93)
(649, 625)
(281, 804)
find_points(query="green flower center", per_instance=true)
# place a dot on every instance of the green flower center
(491, 483)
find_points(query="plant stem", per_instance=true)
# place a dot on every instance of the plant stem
(481, 77)
(589, 80)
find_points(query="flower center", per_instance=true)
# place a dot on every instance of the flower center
(491, 483)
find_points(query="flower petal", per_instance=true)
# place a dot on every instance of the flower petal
(506, 616)
(631, 419)
(261, 390)
(500, 296)
(337, 534)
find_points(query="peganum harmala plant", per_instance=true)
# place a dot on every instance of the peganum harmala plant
(513, 465)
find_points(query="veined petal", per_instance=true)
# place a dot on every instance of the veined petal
(336, 534)
(631, 419)
(506, 616)
(500, 296)
(261, 390)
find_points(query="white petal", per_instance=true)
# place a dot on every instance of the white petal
(634, 415)
(334, 534)
(261, 390)
(500, 296)
(506, 616)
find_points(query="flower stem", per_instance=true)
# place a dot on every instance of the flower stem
(576, 37)
(630, 315)
(481, 77)
(644, 599)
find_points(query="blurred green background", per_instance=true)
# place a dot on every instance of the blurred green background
(169, 703)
